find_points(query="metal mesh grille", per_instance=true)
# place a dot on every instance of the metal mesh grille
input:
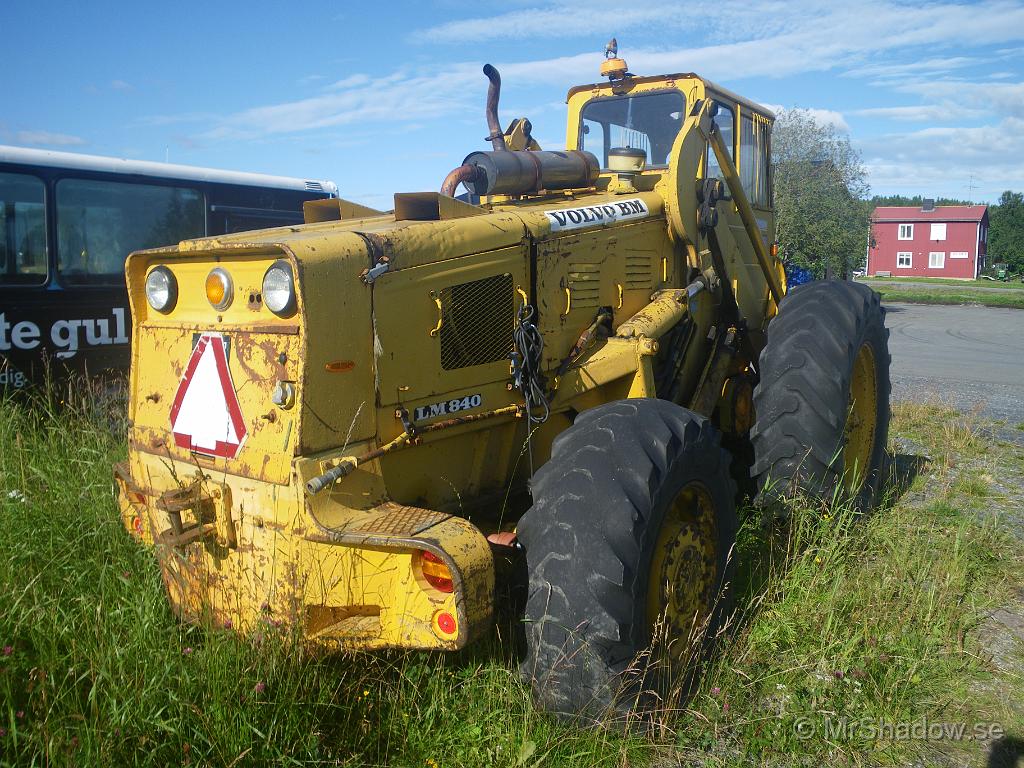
(477, 322)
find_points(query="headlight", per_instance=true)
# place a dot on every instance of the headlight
(219, 290)
(161, 289)
(279, 289)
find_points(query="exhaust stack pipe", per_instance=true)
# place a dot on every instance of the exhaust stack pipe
(497, 137)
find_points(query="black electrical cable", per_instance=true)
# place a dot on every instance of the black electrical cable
(527, 359)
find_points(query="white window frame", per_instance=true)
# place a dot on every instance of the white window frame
(942, 260)
(958, 254)
(938, 230)
(910, 259)
(909, 230)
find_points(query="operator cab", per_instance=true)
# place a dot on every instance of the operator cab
(630, 124)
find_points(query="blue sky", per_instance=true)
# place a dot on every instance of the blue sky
(387, 97)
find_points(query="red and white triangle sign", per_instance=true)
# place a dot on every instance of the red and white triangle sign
(206, 416)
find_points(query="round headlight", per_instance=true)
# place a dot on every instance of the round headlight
(161, 289)
(219, 290)
(279, 289)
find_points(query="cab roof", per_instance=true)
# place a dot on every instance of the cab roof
(753, 106)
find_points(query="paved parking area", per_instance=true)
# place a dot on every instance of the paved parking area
(968, 356)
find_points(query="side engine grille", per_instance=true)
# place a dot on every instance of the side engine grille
(477, 320)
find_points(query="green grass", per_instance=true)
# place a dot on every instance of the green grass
(1013, 285)
(861, 617)
(924, 296)
(928, 290)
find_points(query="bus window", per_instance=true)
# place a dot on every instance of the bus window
(22, 230)
(726, 122)
(647, 121)
(100, 222)
(754, 164)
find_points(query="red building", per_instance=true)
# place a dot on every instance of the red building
(931, 241)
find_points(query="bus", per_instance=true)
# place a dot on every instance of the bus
(67, 223)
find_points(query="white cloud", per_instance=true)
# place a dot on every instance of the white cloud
(948, 160)
(121, 85)
(561, 19)
(892, 47)
(828, 117)
(912, 113)
(48, 138)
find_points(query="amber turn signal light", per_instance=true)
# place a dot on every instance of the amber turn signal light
(435, 572)
(219, 289)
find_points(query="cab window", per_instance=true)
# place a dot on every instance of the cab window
(100, 222)
(647, 121)
(726, 120)
(22, 230)
(754, 160)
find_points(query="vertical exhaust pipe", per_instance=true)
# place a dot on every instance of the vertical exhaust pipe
(497, 137)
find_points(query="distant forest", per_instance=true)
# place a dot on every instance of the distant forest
(1006, 225)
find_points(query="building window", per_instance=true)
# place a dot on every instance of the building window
(936, 260)
(958, 255)
(904, 259)
(906, 232)
(938, 231)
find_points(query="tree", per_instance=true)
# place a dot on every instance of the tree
(1006, 231)
(822, 220)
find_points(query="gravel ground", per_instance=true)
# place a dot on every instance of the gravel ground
(967, 356)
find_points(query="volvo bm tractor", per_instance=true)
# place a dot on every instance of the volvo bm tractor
(362, 428)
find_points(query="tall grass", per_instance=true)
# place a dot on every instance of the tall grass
(837, 616)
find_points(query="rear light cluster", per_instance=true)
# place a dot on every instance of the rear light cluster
(434, 571)
(278, 289)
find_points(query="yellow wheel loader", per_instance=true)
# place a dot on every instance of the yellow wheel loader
(358, 427)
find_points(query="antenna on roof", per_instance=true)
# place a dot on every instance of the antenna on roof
(970, 189)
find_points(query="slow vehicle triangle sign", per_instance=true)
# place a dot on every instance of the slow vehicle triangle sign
(206, 416)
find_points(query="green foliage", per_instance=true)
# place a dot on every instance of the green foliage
(1006, 231)
(821, 220)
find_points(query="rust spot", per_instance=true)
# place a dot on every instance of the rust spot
(255, 302)
(153, 397)
(339, 366)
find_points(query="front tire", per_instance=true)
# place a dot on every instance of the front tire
(822, 403)
(630, 535)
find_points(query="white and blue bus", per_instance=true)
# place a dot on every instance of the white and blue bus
(67, 222)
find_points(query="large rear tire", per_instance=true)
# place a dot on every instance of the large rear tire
(822, 402)
(628, 541)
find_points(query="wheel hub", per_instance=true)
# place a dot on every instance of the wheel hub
(683, 570)
(859, 432)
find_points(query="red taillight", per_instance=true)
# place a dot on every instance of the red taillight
(435, 572)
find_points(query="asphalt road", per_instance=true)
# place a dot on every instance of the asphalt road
(967, 356)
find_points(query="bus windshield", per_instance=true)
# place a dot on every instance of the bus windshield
(100, 222)
(647, 121)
